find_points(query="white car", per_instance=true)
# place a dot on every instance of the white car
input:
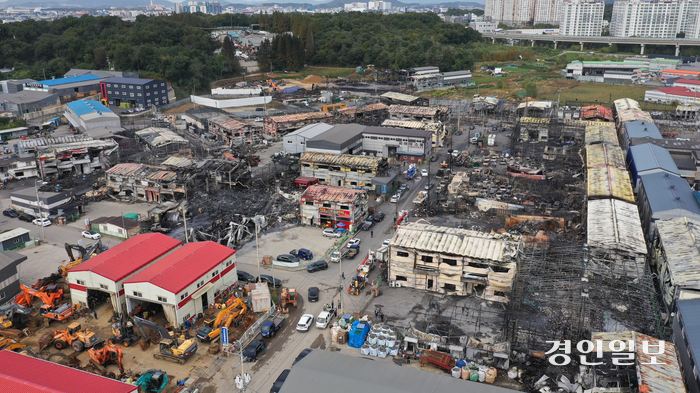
(456, 153)
(258, 119)
(305, 322)
(91, 235)
(354, 242)
(330, 232)
(395, 198)
(424, 172)
(386, 243)
(44, 222)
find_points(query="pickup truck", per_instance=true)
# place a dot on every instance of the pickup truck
(269, 328)
(420, 198)
(337, 254)
(324, 318)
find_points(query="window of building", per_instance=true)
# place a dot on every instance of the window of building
(138, 87)
(199, 284)
(401, 254)
(451, 262)
(163, 91)
(478, 265)
(310, 203)
(426, 258)
(139, 94)
(449, 287)
(123, 93)
(344, 207)
(148, 94)
(131, 86)
(16, 240)
(499, 293)
(162, 84)
(137, 294)
(215, 273)
(109, 92)
(162, 299)
(80, 282)
(148, 100)
(132, 94)
(102, 286)
(326, 204)
(123, 86)
(108, 85)
(147, 87)
(184, 295)
(186, 318)
(500, 269)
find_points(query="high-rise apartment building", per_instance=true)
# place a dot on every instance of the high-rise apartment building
(379, 5)
(205, 7)
(548, 11)
(510, 12)
(582, 18)
(656, 19)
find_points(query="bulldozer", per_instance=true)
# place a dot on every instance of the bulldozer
(102, 353)
(288, 296)
(172, 349)
(123, 332)
(74, 336)
(230, 315)
(85, 254)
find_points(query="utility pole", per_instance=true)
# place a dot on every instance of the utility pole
(342, 286)
(243, 379)
(184, 217)
(257, 254)
(38, 205)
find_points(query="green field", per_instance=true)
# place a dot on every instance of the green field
(332, 72)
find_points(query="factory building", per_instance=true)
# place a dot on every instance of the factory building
(333, 207)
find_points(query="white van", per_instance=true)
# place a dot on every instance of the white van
(324, 319)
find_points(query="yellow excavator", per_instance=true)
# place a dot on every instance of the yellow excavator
(230, 315)
(85, 254)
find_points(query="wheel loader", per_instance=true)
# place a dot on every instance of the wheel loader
(74, 336)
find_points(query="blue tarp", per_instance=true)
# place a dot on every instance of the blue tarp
(292, 89)
(358, 334)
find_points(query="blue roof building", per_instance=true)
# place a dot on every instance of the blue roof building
(663, 196)
(93, 118)
(638, 129)
(649, 158)
(67, 86)
(686, 336)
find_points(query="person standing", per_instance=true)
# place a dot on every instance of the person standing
(95, 314)
(371, 234)
(332, 304)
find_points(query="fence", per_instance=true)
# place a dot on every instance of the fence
(253, 330)
(231, 103)
(175, 104)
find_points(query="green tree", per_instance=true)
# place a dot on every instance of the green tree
(530, 89)
(499, 84)
(228, 49)
(265, 56)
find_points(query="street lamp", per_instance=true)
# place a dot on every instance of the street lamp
(38, 205)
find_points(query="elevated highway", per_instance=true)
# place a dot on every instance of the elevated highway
(581, 40)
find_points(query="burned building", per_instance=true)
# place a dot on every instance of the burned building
(234, 132)
(277, 126)
(334, 207)
(370, 115)
(146, 183)
(161, 141)
(596, 113)
(534, 129)
(438, 128)
(664, 196)
(69, 155)
(427, 114)
(342, 170)
(394, 98)
(198, 118)
(454, 261)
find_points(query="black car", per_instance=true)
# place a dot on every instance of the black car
(313, 294)
(251, 352)
(318, 265)
(268, 279)
(434, 158)
(26, 217)
(302, 355)
(245, 277)
(352, 252)
(10, 213)
(459, 132)
(471, 127)
(287, 258)
(378, 217)
(279, 382)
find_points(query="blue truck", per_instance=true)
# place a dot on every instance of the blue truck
(269, 327)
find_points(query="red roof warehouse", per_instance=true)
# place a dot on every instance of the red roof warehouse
(22, 373)
(107, 271)
(177, 282)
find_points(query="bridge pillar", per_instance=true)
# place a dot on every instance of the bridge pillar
(678, 50)
(555, 45)
(533, 42)
(493, 40)
(642, 52)
(581, 46)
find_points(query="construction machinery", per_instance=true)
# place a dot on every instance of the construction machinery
(232, 314)
(288, 296)
(13, 318)
(152, 381)
(51, 296)
(85, 254)
(10, 344)
(102, 354)
(358, 282)
(172, 349)
(123, 332)
(74, 336)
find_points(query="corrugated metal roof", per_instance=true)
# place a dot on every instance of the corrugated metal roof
(311, 130)
(625, 103)
(542, 105)
(593, 111)
(54, 141)
(367, 108)
(142, 171)
(345, 160)
(398, 96)
(629, 115)
(648, 156)
(417, 110)
(27, 374)
(229, 123)
(642, 129)
(332, 194)
(412, 124)
(664, 377)
(609, 182)
(179, 162)
(667, 192)
(601, 134)
(615, 225)
(464, 242)
(7, 235)
(158, 137)
(299, 117)
(585, 123)
(680, 238)
(604, 155)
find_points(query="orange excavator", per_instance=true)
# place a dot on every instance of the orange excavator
(102, 353)
(231, 314)
(51, 295)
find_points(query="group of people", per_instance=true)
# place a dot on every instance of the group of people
(379, 314)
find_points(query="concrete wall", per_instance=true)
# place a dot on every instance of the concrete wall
(231, 103)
